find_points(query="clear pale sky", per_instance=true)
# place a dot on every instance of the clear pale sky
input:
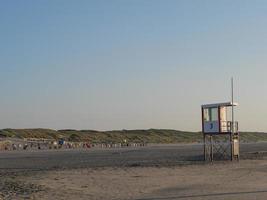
(130, 64)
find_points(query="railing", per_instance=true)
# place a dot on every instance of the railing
(226, 126)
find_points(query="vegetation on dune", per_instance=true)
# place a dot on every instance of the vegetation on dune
(119, 136)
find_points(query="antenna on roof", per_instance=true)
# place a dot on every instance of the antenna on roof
(232, 89)
(232, 96)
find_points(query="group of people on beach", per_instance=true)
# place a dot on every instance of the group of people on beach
(10, 145)
(41, 145)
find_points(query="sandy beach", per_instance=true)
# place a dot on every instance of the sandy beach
(245, 179)
(242, 180)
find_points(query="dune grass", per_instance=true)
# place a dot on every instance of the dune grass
(119, 136)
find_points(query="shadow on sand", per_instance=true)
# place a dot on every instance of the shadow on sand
(204, 195)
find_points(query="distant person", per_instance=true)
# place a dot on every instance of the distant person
(25, 146)
(14, 146)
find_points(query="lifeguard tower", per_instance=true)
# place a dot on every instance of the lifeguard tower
(220, 131)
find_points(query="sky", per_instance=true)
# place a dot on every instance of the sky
(130, 64)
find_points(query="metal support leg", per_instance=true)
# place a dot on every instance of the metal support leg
(211, 149)
(232, 147)
(204, 142)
